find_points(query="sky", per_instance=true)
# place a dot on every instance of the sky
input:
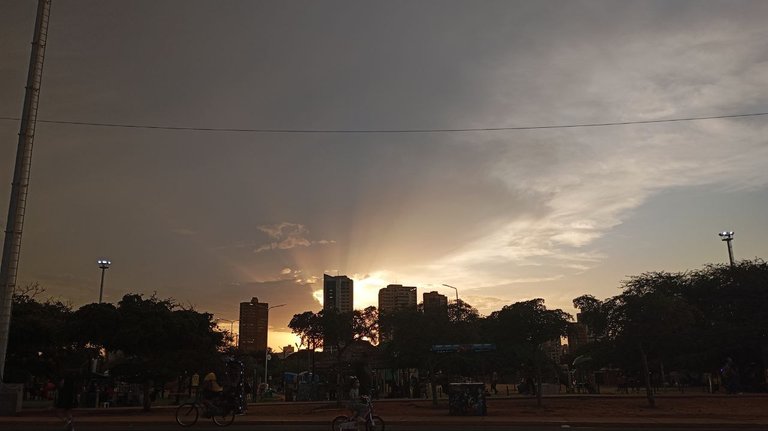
(213, 219)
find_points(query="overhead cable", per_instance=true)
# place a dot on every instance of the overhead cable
(372, 131)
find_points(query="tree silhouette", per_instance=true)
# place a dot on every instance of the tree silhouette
(520, 330)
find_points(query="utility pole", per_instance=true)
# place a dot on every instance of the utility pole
(266, 349)
(20, 185)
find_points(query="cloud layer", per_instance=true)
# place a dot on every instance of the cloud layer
(286, 236)
(504, 215)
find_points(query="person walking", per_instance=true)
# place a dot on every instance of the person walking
(66, 399)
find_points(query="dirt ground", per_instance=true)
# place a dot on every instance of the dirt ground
(733, 407)
(714, 407)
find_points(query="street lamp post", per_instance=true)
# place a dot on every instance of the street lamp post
(454, 288)
(231, 328)
(727, 236)
(266, 349)
(104, 265)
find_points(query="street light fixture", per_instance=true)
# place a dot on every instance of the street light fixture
(454, 288)
(231, 327)
(104, 265)
(266, 349)
(727, 236)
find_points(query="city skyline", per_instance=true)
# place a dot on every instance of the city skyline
(212, 219)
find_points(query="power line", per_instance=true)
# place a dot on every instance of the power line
(371, 131)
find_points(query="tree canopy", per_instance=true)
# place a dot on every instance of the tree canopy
(688, 320)
(141, 339)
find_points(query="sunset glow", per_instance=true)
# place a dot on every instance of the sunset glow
(473, 151)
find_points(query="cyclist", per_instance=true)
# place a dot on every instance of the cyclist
(357, 406)
(211, 392)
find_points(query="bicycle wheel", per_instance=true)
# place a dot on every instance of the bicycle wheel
(224, 419)
(376, 424)
(186, 414)
(337, 422)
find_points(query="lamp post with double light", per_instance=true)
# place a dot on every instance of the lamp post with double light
(727, 236)
(104, 265)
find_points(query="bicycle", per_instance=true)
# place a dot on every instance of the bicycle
(222, 412)
(372, 422)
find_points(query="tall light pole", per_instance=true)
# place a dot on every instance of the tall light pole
(231, 327)
(454, 288)
(727, 236)
(104, 265)
(20, 184)
(266, 349)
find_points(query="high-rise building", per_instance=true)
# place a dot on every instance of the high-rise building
(579, 334)
(435, 303)
(553, 349)
(391, 298)
(397, 297)
(254, 321)
(338, 293)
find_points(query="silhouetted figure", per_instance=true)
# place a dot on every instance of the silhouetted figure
(66, 399)
(212, 393)
(730, 376)
(357, 408)
(414, 386)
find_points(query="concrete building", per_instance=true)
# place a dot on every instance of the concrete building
(553, 349)
(391, 298)
(579, 335)
(254, 324)
(397, 297)
(435, 303)
(338, 293)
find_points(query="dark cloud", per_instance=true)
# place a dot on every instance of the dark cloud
(181, 213)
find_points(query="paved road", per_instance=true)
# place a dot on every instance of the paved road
(256, 427)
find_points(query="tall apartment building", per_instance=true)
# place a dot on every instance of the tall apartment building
(435, 303)
(254, 324)
(396, 297)
(553, 349)
(338, 293)
(391, 298)
(578, 334)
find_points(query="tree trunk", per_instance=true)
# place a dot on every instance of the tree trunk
(647, 378)
(538, 383)
(312, 378)
(433, 383)
(147, 402)
(338, 377)
(312, 363)
(338, 388)
(178, 390)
